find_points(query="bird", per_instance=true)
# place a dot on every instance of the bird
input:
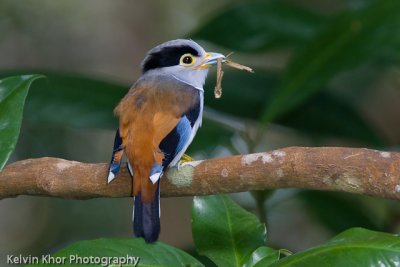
(158, 119)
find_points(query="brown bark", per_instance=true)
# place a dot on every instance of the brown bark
(354, 170)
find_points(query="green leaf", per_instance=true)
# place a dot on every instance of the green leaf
(260, 25)
(352, 39)
(74, 101)
(157, 254)
(354, 247)
(13, 92)
(263, 256)
(225, 232)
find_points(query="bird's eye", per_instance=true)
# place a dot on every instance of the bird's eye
(187, 60)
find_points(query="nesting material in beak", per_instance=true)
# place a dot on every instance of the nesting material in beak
(220, 73)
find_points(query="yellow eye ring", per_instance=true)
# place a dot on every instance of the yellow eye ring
(187, 60)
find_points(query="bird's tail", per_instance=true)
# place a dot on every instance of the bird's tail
(146, 217)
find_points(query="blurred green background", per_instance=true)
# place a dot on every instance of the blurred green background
(327, 74)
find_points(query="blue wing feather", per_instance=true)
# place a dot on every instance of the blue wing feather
(184, 129)
(176, 140)
(115, 165)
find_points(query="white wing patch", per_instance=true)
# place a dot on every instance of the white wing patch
(155, 177)
(110, 177)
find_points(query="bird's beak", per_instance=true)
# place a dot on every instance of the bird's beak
(210, 59)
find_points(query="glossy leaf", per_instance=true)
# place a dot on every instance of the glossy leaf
(157, 254)
(263, 256)
(260, 25)
(13, 92)
(225, 232)
(74, 101)
(354, 247)
(352, 39)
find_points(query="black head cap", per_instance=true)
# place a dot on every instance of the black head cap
(169, 53)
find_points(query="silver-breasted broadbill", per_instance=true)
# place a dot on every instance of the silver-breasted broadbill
(158, 119)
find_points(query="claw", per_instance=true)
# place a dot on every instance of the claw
(185, 159)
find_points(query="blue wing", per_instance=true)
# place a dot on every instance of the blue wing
(175, 143)
(178, 139)
(115, 163)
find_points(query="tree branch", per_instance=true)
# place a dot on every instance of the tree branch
(354, 170)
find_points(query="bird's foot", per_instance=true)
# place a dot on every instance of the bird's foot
(185, 159)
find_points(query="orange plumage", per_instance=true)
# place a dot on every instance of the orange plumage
(147, 114)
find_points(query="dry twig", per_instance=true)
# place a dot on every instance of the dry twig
(220, 73)
(238, 66)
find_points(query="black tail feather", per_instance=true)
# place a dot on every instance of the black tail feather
(146, 218)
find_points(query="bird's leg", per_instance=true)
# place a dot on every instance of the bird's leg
(185, 158)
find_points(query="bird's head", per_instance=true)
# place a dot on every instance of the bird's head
(184, 59)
